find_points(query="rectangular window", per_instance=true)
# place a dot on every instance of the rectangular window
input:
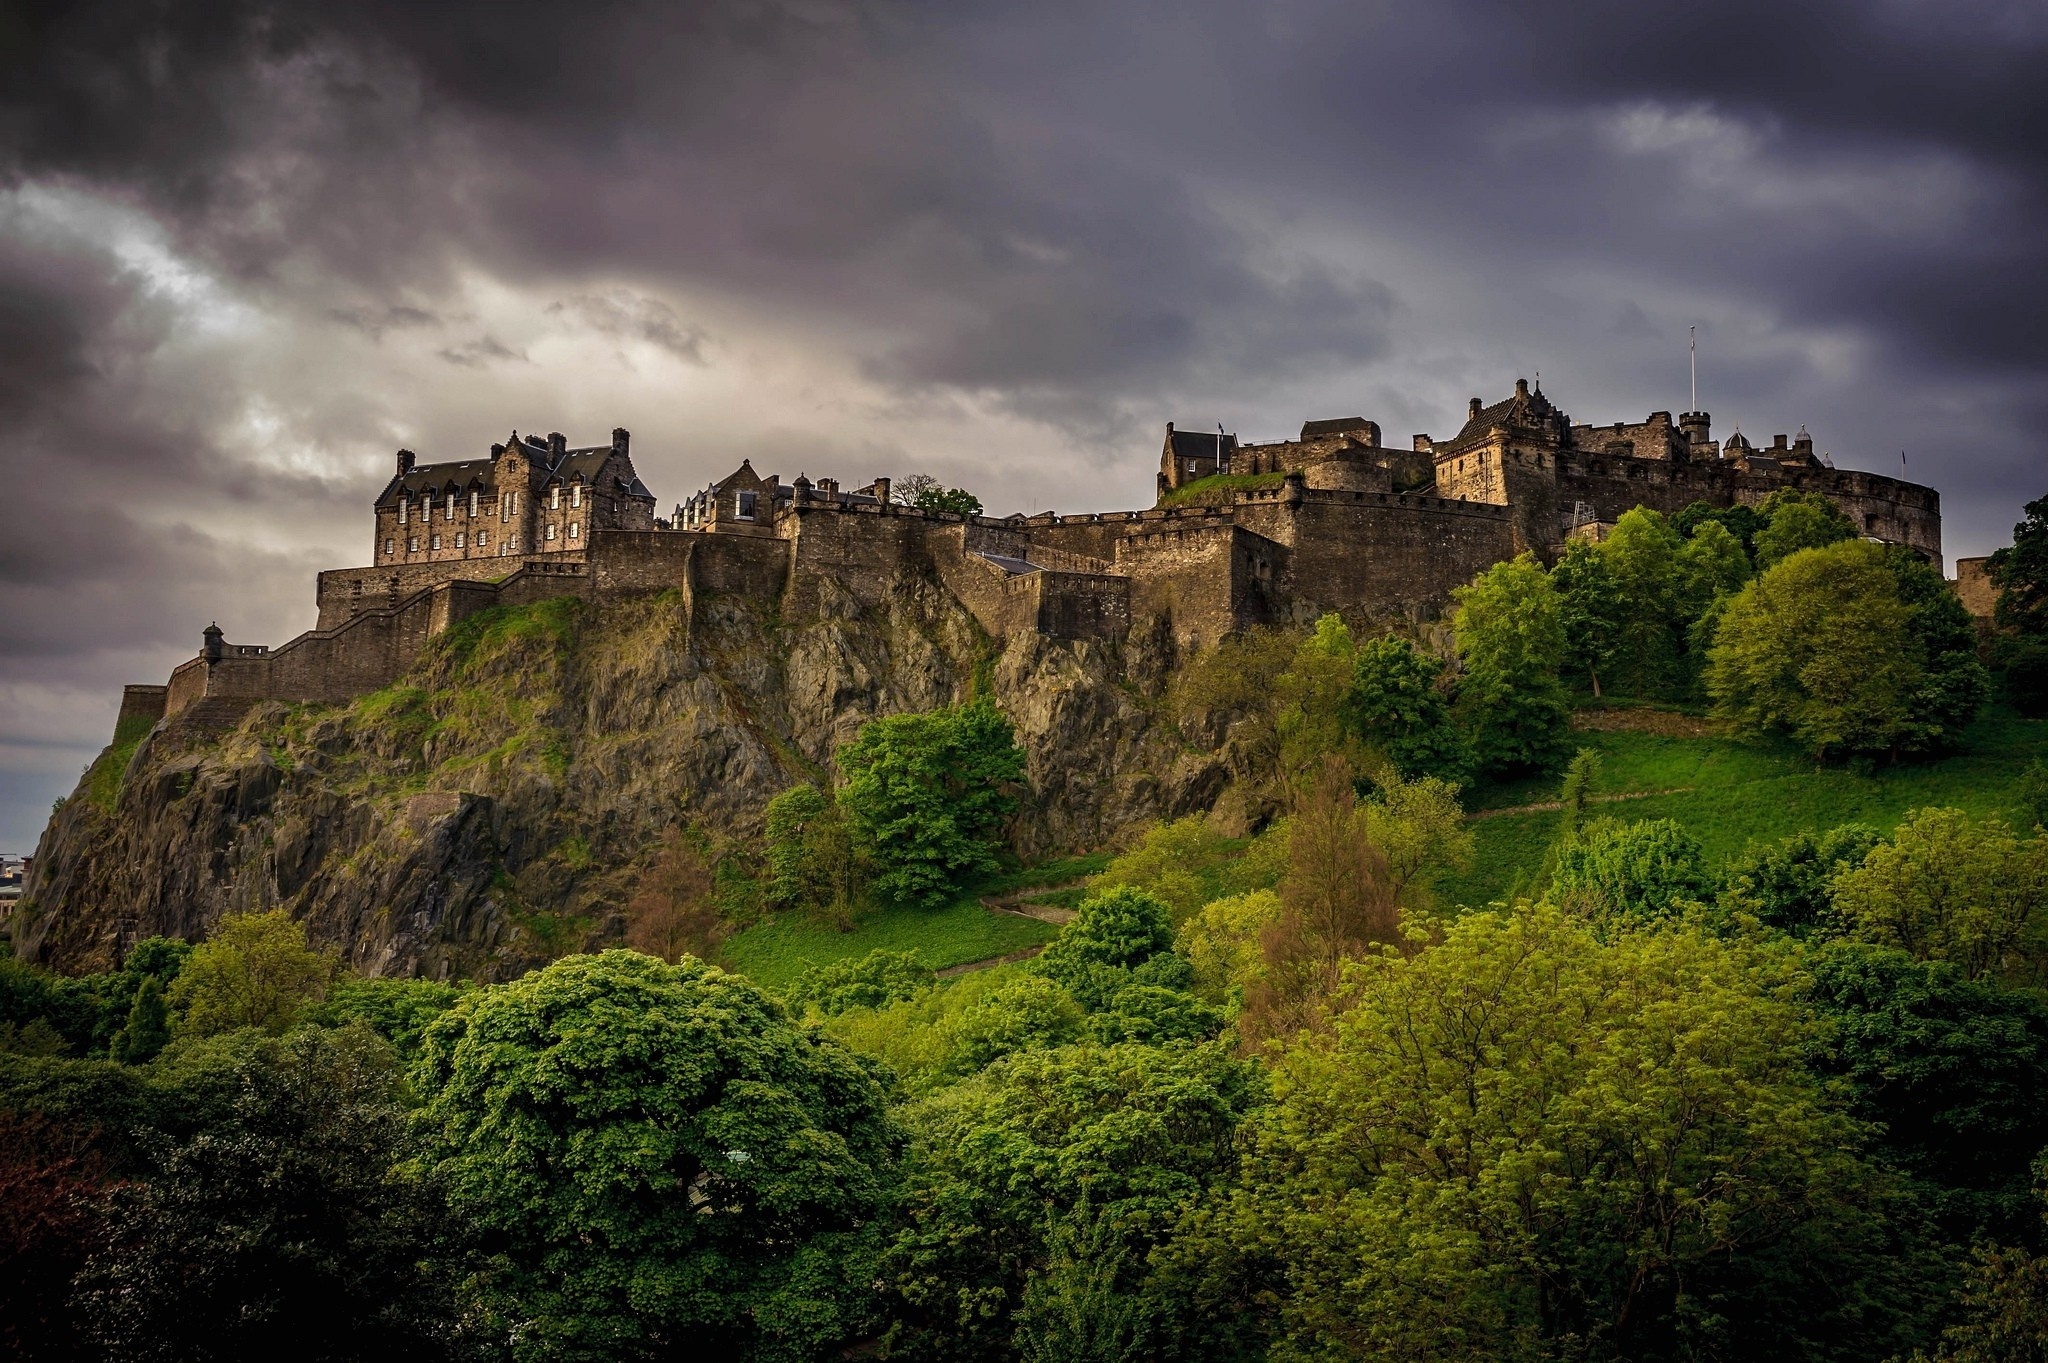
(434, 542)
(483, 537)
(458, 539)
(746, 506)
(512, 545)
(451, 506)
(412, 546)
(387, 546)
(551, 532)
(555, 497)
(572, 530)
(474, 497)
(576, 495)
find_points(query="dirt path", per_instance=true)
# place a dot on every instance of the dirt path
(1014, 905)
(1550, 806)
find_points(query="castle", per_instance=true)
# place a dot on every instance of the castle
(1242, 535)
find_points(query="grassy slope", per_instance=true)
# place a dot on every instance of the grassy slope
(777, 951)
(1740, 793)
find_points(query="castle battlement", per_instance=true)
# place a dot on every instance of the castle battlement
(1333, 520)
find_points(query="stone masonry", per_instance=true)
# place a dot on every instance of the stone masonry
(1332, 521)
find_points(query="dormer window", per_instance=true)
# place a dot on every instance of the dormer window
(450, 505)
(745, 510)
(555, 497)
(474, 498)
(576, 494)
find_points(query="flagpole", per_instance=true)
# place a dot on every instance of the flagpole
(1692, 345)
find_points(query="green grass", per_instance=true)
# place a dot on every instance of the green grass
(1742, 793)
(775, 952)
(103, 778)
(1219, 489)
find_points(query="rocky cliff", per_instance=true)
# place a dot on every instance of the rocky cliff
(497, 804)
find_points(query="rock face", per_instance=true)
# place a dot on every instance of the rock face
(496, 806)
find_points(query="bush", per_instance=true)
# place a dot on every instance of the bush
(872, 981)
(1649, 869)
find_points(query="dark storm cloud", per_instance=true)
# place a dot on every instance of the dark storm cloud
(1071, 219)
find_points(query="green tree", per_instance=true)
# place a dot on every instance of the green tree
(872, 981)
(1642, 554)
(1822, 648)
(1742, 522)
(1397, 705)
(1418, 827)
(1590, 609)
(1313, 697)
(2005, 1305)
(1644, 870)
(2020, 572)
(655, 1158)
(148, 1029)
(1043, 1183)
(1947, 888)
(927, 794)
(1950, 1073)
(815, 862)
(1712, 567)
(1953, 683)
(399, 1010)
(255, 970)
(1788, 885)
(1030, 1012)
(1581, 779)
(927, 493)
(279, 1230)
(1530, 1143)
(1511, 640)
(1118, 938)
(1798, 520)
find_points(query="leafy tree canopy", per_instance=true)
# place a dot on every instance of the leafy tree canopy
(871, 981)
(1511, 640)
(1948, 888)
(2020, 572)
(255, 970)
(1827, 649)
(654, 1156)
(1795, 521)
(1528, 1143)
(1398, 704)
(1788, 885)
(1643, 870)
(927, 794)
(1012, 1163)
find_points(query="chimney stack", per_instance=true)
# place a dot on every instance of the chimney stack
(558, 445)
(406, 460)
(882, 491)
(1474, 410)
(620, 439)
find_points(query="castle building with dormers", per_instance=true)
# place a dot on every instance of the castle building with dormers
(531, 496)
(1242, 534)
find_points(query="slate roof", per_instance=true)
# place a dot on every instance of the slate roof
(1321, 430)
(586, 463)
(1200, 444)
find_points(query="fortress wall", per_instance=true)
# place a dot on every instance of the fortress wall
(738, 565)
(1095, 536)
(141, 705)
(1348, 471)
(188, 684)
(628, 562)
(1888, 508)
(1378, 557)
(979, 585)
(1077, 605)
(1186, 573)
(343, 593)
(861, 548)
(1973, 587)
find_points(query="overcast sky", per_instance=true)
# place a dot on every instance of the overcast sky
(248, 250)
